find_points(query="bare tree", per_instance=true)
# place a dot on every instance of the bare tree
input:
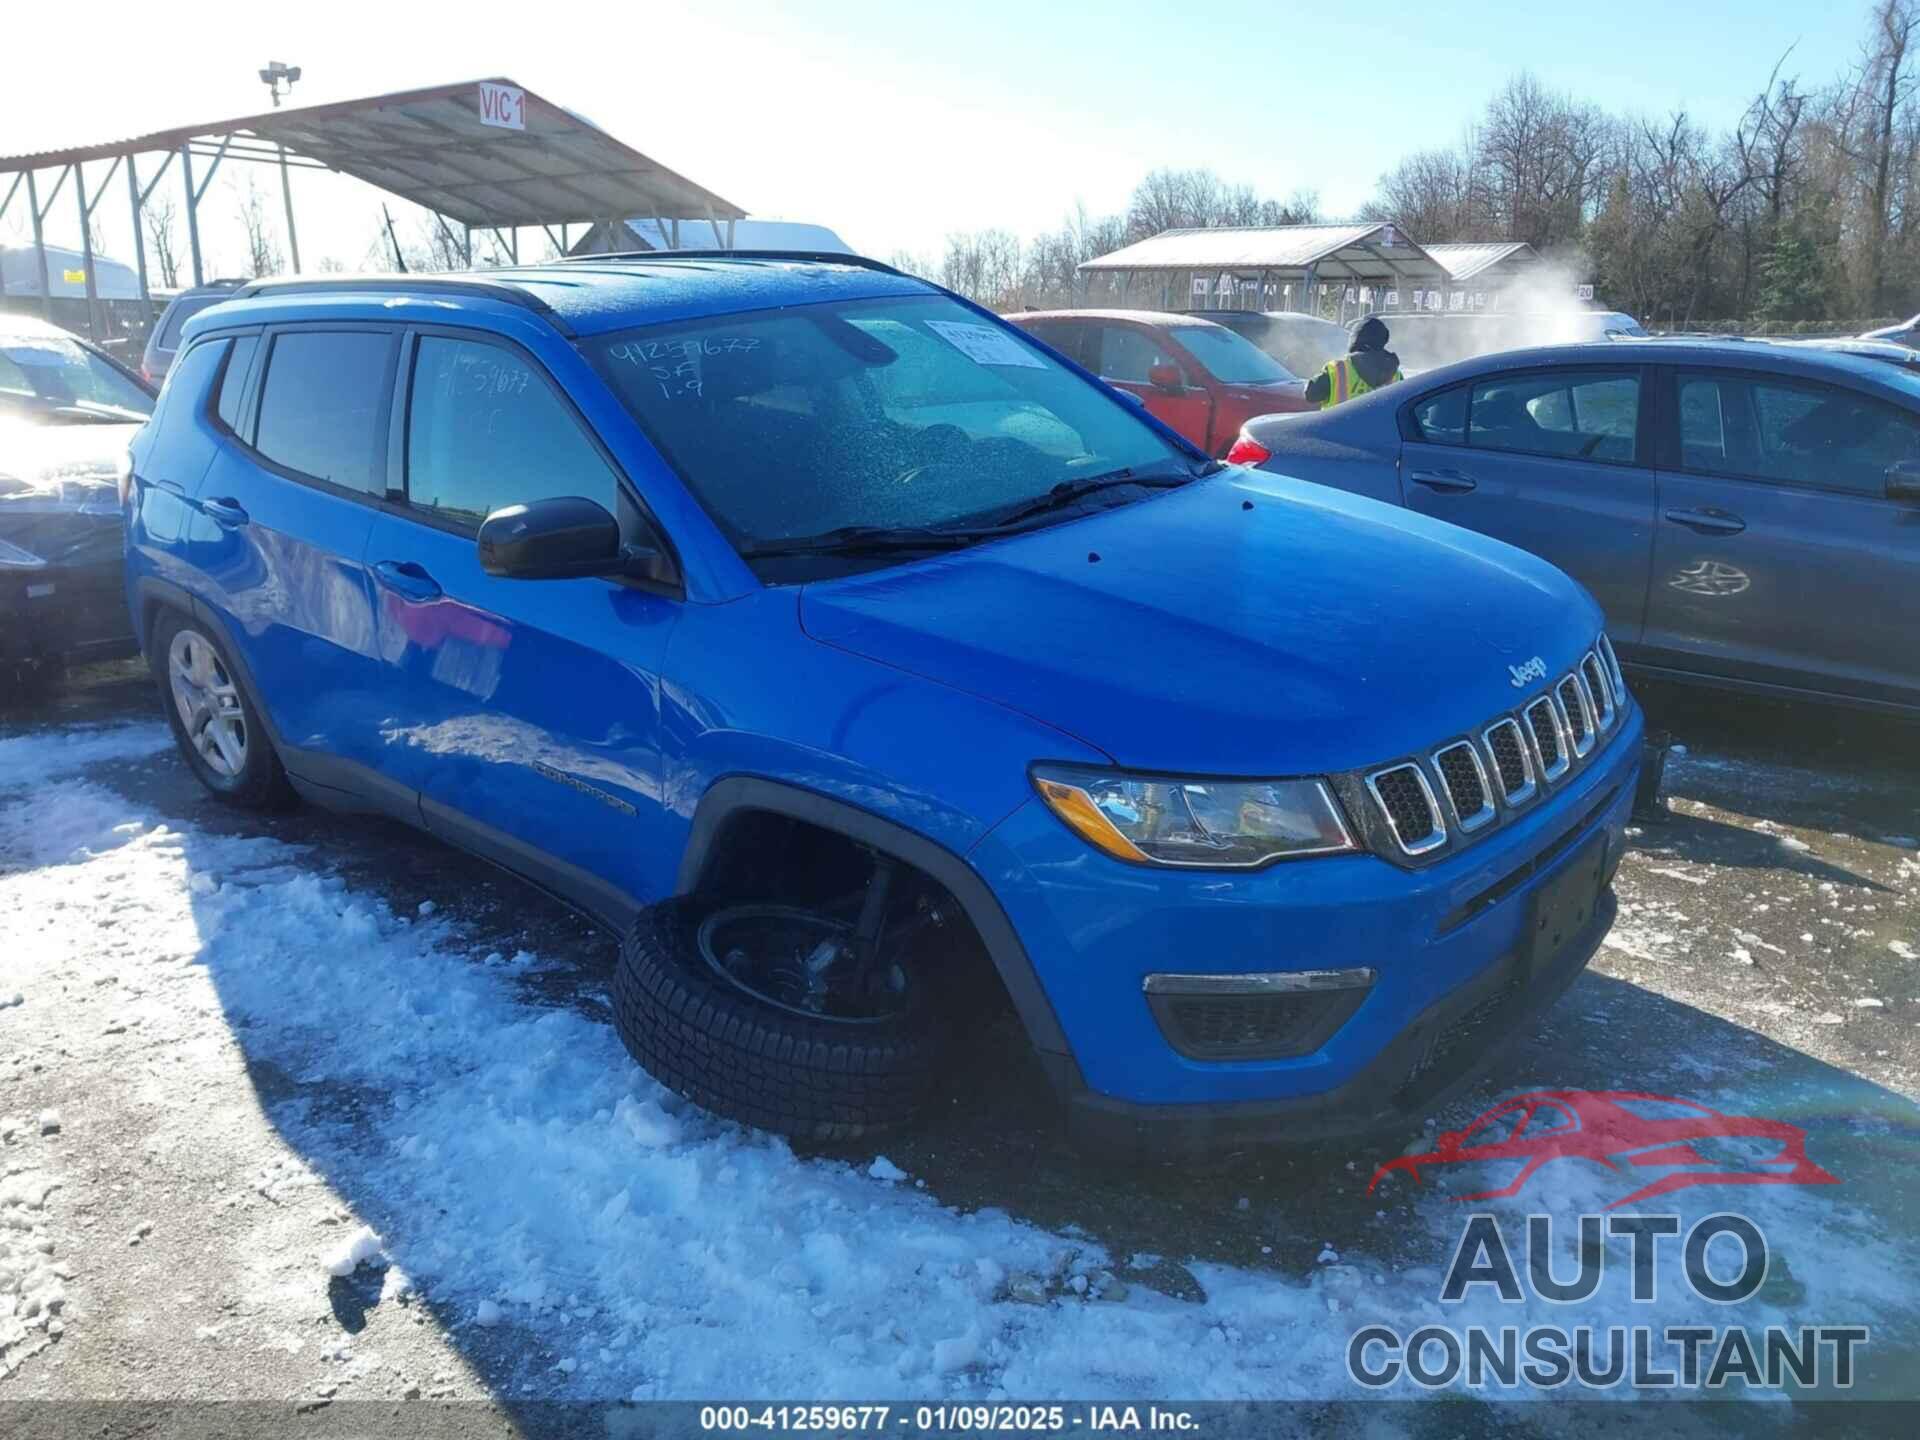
(1867, 128)
(263, 254)
(160, 216)
(984, 266)
(436, 247)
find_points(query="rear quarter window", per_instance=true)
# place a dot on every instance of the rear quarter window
(1440, 419)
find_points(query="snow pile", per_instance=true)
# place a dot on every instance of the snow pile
(48, 755)
(32, 1283)
(359, 1248)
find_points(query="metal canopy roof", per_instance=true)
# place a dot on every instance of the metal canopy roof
(1382, 252)
(1463, 262)
(434, 148)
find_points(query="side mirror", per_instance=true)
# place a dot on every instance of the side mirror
(1903, 480)
(559, 539)
(1166, 377)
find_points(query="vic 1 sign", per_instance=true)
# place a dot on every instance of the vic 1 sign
(503, 105)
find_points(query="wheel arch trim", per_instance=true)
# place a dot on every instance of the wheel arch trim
(734, 795)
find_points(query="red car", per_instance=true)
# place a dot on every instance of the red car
(1619, 1129)
(1198, 377)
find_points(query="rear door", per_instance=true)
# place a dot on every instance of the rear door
(1556, 461)
(280, 524)
(525, 712)
(1779, 557)
(1127, 356)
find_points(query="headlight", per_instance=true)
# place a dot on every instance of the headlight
(1213, 824)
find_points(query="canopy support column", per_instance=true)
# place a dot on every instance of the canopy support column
(86, 250)
(6, 205)
(193, 213)
(286, 197)
(40, 246)
(139, 233)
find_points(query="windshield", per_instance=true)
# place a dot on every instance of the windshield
(1231, 358)
(53, 378)
(903, 412)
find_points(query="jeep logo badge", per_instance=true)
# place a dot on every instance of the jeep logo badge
(1534, 669)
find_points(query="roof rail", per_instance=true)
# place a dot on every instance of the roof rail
(830, 257)
(472, 286)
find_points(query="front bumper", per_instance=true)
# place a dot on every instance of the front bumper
(64, 612)
(1448, 945)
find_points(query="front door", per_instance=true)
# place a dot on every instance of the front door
(1779, 556)
(1550, 461)
(1133, 358)
(525, 712)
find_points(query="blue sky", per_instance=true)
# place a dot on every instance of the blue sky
(896, 123)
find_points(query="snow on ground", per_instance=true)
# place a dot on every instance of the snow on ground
(515, 1166)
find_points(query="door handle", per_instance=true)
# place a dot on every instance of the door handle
(405, 578)
(1447, 481)
(224, 510)
(1708, 522)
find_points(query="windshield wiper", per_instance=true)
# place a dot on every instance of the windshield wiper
(868, 540)
(1070, 492)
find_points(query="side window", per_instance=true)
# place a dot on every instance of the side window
(1703, 424)
(233, 380)
(1442, 419)
(1828, 437)
(1572, 414)
(185, 388)
(322, 405)
(1820, 436)
(485, 430)
(1128, 354)
(1062, 335)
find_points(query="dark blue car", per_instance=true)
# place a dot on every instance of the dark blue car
(840, 645)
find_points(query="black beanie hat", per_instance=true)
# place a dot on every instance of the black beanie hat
(1371, 334)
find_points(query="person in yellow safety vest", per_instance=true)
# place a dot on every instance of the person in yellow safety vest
(1367, 366)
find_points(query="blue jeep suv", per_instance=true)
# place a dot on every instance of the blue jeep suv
(837, 643)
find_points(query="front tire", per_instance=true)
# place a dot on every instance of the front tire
(214, 723)
(741, 1052)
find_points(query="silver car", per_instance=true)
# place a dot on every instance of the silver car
(1748, 515)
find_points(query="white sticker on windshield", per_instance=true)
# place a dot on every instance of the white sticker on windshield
(984, 344)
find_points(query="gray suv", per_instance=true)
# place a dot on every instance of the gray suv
(1747, 514)
(164, 339)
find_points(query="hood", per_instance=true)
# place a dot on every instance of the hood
(59, 496)
(1243, 625)
(1376, 367)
